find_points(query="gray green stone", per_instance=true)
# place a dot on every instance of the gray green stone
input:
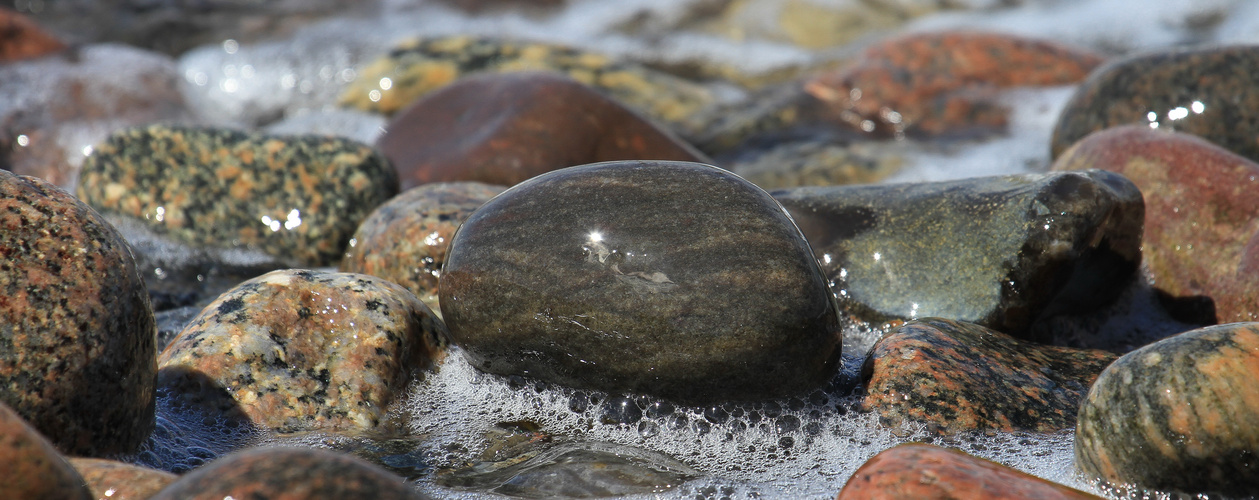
(996, 251)
(671, 278)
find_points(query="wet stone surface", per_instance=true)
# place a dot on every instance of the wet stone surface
(298, 198)
(957, 376)
(1207, 92)
(817, 164)
(289, 473)
(121, 481)
(299, 350)
(672, 278)
(21, 38)
(1181, 414)
(996, 251)
(1200, 211)
(76, 329)
(923, 471)
(405, 240)
(32, 467)
(505, 128)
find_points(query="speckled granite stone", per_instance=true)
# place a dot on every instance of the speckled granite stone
(942, 83)
(295, 197)
(505, 128)
(1200, 209)
(121, 481)
(289, 474)
(300, 350)
(958, 376)
(1208, 92)
(1181, 414)
(22, 38)
(817, 164)
(76, 329)
(918, 471)
(32, 467)
(672, 278)
(420, 66)
(997, 251)
(405, 240)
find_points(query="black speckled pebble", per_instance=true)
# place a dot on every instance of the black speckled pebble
(672, 278)
(77, 334)
(299, 198)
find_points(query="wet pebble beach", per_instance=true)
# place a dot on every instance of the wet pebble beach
(731, 249)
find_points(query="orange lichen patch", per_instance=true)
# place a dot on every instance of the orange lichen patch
(940, 83)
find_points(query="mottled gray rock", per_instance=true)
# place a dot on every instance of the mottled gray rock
(996, 251)
(1181, 414)
(76, 329)
(672, 278)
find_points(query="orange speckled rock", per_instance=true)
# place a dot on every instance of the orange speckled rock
(1181, 414)
(32, 469)
(958, 376)
(505, 128)
(121, 481)
(298, 350)
(1201, 208)
(942, 83)
(925, 472)
(21, 38)
(405, 240)
(288, 474)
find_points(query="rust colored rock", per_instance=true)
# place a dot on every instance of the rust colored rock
(121, 481)
(33, 470)
(505, 128)
(942, 83)
(925, 472)
(22, 38)
(1200, 211)
(289, 474)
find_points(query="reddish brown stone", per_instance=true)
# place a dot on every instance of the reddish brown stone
(1200, 211)
(32, 469)
(942, 83)
(121, 481)
(923, 472)
(505, 128)
(288, 474)
(21, 38)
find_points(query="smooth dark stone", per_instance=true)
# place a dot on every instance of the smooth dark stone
(32, 467)
(996, 251)
(76, 330)
(669, 278)
(958, 376)
(1207, 92)
(917, 471)
(298, 198)
(1180, 415)
(505, 128)
(288, 473)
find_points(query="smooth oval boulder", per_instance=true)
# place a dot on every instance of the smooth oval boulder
(290, 474)
(917, 471)
(33, 469)
(958, 376)
(299, 350)
(670, 278)
(299, 198)
(1178, 415)
(996, 251)
(121, 481)
(1200, 211)
(405, 240)
(1207, 92)
(77, 334)
(505, 128)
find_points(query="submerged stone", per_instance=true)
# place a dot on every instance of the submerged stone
(299, 350)
(671, 278)
(32, 467)
(996, 251)
(957, 376)
(76, 329)
(1178, 415)
(1207, 92)
(298, 198)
